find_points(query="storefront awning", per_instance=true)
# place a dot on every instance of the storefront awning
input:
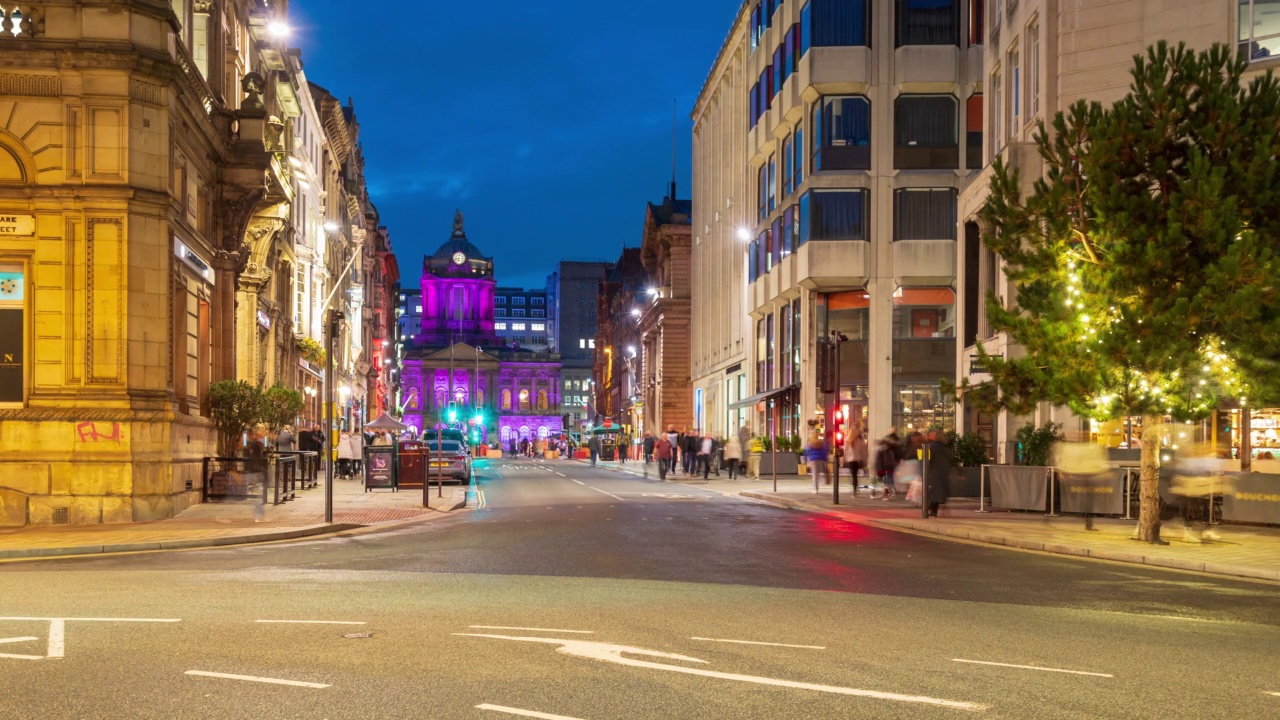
(763, 396)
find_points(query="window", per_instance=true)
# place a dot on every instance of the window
(500, 300)
(591, 343)
(806, 21)
(973, 132)
(833, 23)
(797, 149)
(538, 327)
(300, 297)
(771, 181)
(780, 65)
(417, 309)
(924, 132)
(834, 215)
(762, 194)
(518, 312)
(924, 214)
(538, 301)
(755, 105)
(788, 231)
(753, 266)
(766, 89)
(997, 94)
(538, 313)
(499, 326)
(842, 133)
(924, 313)
(518, 300)
(786, 166)
(1033, 70)
(1015, 90)
(775, 240)
(792, 53)
(977, 18)
(1259, 29)
(500, 312)
(761, 381)
(928, 22)
(582, 344)
(757, 25)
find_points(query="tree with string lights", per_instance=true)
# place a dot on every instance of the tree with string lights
(1145, 256)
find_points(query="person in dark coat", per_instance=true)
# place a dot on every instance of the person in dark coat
(937, 473)
(647, 447)
(594, 446)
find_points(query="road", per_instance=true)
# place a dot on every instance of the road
(579, 592)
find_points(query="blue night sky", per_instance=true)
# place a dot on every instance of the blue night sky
(547, 123)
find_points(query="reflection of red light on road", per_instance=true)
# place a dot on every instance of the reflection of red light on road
(829, 529)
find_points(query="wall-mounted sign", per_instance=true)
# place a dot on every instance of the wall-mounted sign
(264, 320)
(977, 366)
(11, 359)
(17, 224)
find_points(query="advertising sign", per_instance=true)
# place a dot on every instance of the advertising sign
(1101, 494)
(379, 467)
(1252, 497)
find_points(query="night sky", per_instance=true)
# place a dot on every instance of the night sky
(547, 123)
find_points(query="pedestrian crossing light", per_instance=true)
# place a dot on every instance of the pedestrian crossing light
(453, 414)
(837, 426)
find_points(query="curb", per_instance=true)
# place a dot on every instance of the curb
(307, 531)
(946, 533)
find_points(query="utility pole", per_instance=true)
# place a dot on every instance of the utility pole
(335, 319)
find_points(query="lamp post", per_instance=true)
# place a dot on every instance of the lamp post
(335, 319)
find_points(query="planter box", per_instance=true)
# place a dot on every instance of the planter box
(788, 463)
(967, 482)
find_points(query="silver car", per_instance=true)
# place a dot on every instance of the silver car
(450, 459)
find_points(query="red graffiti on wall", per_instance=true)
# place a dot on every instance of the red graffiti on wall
(89, 432)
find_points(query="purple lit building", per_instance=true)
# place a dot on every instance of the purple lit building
(456, 369)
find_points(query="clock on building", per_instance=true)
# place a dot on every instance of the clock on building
(459, 258)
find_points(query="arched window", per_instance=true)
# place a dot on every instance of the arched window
(524, 401)
(479, 397)
(542, 399)
(506, 400)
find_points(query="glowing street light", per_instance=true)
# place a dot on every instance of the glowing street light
(278, 29)
(744, 234)
(332, 226)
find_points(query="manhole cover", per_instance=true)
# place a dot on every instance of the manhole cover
(355, 636)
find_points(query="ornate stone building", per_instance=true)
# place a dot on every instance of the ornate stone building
(619, 368)
(665, 317)
(457, 369)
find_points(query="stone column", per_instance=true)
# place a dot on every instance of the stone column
(223, 314)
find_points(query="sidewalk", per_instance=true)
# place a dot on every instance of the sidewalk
(1242, 551)
(234, 523)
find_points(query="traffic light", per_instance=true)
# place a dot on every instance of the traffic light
(479, 417)
(837, 426)
(453, 414)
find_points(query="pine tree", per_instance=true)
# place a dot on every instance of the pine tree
(1145, 256)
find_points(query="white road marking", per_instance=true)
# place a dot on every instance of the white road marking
(1031, 667)
(606, 492)
(315, 622)
(533, 629)
(18, 639)
(57, 638)
(1277, 694)
(578, 481)
(523, 713)
(21, 657)
(58, 630)
(614, 654)
(253, 678)
(757, 642)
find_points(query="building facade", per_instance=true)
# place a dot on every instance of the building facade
(665, 320)
(576, 285)
(520, 318)
(1040, 57)
(862, 122)
(458, 372)
(618, 370)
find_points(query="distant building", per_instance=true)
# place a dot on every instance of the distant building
(458, 371)
(618, 373)
(664, 322)
(410, 312)
(576, 284)
(520, 318)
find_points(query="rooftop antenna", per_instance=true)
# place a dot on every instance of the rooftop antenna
(673, 149)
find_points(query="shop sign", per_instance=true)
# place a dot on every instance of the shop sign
(1261, 423)
(264, 320)
(17, 224)
(977, 366)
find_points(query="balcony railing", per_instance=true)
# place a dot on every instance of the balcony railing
(21, 20)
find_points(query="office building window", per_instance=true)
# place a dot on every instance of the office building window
(842, 133)
(780, 66)
(500, 300)
(538, 327)
(924, 132)
(538, 301)
(977, 20)
(793, 48)
(517, 300)
(973, 132)
(788, 241)
(775, 236)
(834, 215)
(517, 327)
(499, 326)
(518, 312)
(797, 149)
(928, 22)
(997, 136)
(1015, 91)
(771, 181)
(755, 106)
(762, 193)
(924, 214)
(417, 309)
(1033, 70)
(582, 344)
(831, 23)
(806, 25)
(786, 166)
(591, 343)
(1259, 29)
(537, 313)
(757, 25)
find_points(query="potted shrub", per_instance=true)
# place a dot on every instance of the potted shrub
(235, 406)
(281, 407)
(969, 453)
(311, 351)
(1035, 444)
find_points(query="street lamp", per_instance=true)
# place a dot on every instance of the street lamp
(278, 29)
(744, 234)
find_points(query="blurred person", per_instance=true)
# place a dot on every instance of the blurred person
(344, 454)
(647, 448)
(937, 488)
(732, 455)
(755, 448)
(815, 453)
(855, 456)
(705, 448)
(285, 441)
(662, 449)
(1084, 467)
(1195, 478)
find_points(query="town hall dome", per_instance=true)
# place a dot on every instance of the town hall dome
(457, 256)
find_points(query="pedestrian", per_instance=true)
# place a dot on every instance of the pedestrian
(886, 464)
(744, 436)
(593, 445)
(855, 456)
(673, 439)
(382, 439)
(624, 447)
(704, 456)
(357, 453)
(285, 441)
(662, 448)
(692, 445)
(344, 454)
(732, 455)
(815, 453)
(647, 447)
(937, 473)
(755, 449)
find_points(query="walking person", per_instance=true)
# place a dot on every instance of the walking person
(732, 455)
(285, 441)
(646, 446)
(357, 453)
(662, 449)
(673, 439)
(815, 453)
(937, 473)
(593, 445)
(855, 457)
(886, 464)
(704, 456)
(344, 454)
(755, 448)
(692, 446)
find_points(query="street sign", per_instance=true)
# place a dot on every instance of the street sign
(380, 467)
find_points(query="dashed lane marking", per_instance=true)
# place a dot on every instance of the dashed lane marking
(533, 629)
(56, 647)
(523, 713)
(314, 622)
(18, 639)
(1032, 667)
(757, 642)
(615, 654)
(254, 678)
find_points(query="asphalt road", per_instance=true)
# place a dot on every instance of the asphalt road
(583, 593)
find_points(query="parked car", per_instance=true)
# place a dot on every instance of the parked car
(450, 459)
